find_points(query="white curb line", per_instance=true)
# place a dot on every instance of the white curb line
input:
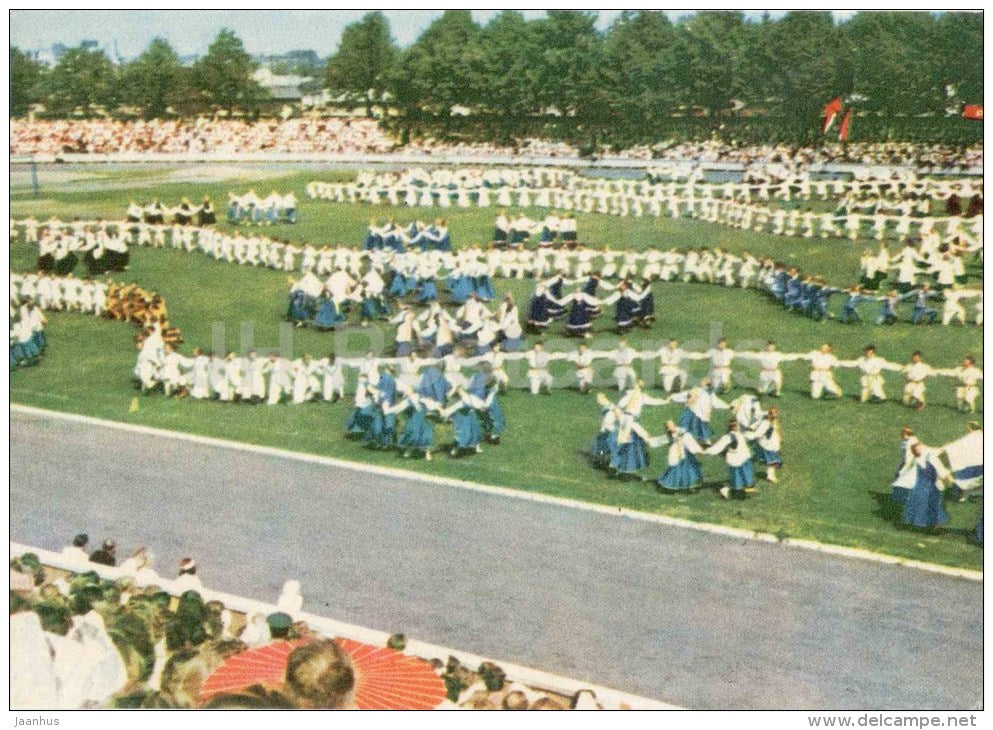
(813, 545)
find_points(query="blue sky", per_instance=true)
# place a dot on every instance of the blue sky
(189, 32)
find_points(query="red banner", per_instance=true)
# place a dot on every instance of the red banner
(973, 111)
(831, 111)
(846, 125)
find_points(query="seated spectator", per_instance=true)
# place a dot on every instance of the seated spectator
(106, 555)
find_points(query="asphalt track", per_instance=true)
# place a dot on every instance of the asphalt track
(695, 619)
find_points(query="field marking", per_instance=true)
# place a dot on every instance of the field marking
(707, 527)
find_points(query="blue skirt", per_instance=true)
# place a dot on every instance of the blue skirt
(900, 494)
(399, 286)
(462, 289)
(767, 457)
(327, 316)
(493, 420)
(923, 507)
(382, 430)
(692, 424)
(417, 433)
(428, 291)
(684, 475)
(468, 432)
(603, 446)
(404, 348)
(360, 420)
(484, 288)
(630, 457)
(741, 476)
(512, 344)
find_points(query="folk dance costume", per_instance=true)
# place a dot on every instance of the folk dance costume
(822, 364)
(967, 390)
(631, 455)
(627, 304)
(624, 374)
(538, 375)
(700, 404)
(906, 474)
(965, 457)
(921, 308)
(871, 367)
(605, 443)
(915, 389)
(583, 360)
(492, 418)
(581, 314)
(381, 433)
(923, 506)
(501, 230)
(361, 417)
(887, 313)
(673, 375)
(417, 433)
(433, 385)
(720, 367)
(280, 380)
(770, 376)
(683, 470)
(765, 435)
(464, 415)
(738, 457)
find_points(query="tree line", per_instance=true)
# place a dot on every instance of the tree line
(643, 79)
(154, 85)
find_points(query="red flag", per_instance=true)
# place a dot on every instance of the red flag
(831, 112)
(973, 111)
(845, 124)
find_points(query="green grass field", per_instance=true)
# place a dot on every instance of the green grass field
(840, 455)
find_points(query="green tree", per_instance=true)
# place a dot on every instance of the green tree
(571, 74)
(155, 80)
(365, 58)
(957, 54)
(891, 60)
(640, 62)
(25, 80)
(446, 57)
(804, 74)
(82, 79)
(711, 46)
(507, 67)
(223, 77)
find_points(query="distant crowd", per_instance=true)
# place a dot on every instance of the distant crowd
(364, 136)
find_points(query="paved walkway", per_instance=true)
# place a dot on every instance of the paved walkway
(695, 619)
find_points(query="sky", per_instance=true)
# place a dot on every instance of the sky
(263, 31)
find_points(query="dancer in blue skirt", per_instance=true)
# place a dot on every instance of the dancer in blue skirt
(381, 433)
(327, 317)
(417, 433)
(906, 473)
(923, 507)
(738, 456)
(492, 418)
(464, 414)
(540, 308)
(433, 385)
(633, 441)
(605, 443)
(700, 404)
(683, 470)
(767, 442)
(360, 419)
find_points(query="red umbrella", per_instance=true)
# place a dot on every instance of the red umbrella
(384, 679)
